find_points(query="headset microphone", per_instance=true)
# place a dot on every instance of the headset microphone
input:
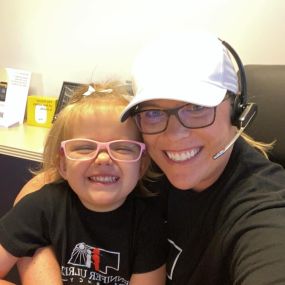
(243, 113)
(245, 118)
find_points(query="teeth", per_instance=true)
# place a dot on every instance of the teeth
(104, 179)
(182, 156)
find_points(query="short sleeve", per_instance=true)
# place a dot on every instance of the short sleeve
(24, 229)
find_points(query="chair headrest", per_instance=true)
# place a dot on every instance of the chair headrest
(266, 87)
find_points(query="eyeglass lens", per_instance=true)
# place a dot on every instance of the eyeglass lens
(88, 149)
(190, 116)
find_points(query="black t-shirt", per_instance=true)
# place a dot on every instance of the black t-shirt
(91, 247)
(234, 231)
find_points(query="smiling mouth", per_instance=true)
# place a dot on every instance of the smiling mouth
(104, 179)
(182, 156)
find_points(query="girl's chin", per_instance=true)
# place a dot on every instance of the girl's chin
(103, 206)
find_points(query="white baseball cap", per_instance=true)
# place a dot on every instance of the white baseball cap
(189, 67)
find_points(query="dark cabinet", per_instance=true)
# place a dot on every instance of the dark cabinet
(14, 173)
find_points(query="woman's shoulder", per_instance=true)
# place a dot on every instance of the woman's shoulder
(33, 185)
(49, 194)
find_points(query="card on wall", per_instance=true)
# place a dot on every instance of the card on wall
(14, 87)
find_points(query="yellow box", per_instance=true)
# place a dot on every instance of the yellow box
(40, 110)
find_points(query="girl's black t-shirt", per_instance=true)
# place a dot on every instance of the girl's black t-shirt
(91, 247)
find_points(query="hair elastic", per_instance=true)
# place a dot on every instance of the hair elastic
(89, 91)
(92, 90)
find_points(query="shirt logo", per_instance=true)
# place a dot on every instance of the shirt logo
(95, 258)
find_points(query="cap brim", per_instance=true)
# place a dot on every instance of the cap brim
(184, 95)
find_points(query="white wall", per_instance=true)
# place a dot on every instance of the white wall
(81, 40)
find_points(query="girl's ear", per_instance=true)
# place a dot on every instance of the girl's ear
(62, 165)
(145, 163)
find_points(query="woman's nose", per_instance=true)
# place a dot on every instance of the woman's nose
(175, 130)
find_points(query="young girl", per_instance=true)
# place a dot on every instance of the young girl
(102, 232)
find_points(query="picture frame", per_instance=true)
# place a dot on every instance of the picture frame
(67, 90)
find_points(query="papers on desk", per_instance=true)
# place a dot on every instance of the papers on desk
(14, 87)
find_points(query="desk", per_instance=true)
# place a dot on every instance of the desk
(21, 149)
(23, 141)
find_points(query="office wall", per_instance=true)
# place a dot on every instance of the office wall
(83, 40)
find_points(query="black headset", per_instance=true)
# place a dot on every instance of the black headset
(243, 112)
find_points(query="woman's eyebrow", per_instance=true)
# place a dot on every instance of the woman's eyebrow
(149, 105)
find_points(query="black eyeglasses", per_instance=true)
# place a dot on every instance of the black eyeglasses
(154, 121)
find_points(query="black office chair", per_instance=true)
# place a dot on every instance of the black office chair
(266, 87)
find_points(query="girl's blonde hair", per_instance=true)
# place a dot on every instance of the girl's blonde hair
(110, 93)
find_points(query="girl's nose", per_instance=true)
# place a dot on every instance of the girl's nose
(103, 157)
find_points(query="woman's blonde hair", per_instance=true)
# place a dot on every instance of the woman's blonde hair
(110, 93)
(262, 147)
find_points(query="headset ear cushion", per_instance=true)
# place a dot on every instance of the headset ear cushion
(237, 110)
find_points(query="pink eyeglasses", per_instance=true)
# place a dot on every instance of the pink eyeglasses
(119, 150)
